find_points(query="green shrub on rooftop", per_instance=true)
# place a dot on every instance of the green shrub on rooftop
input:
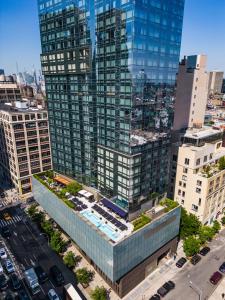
(141, 221)
(222, 163)
(169, 204)
(73, 187)
(69, 203)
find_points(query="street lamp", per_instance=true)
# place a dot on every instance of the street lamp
(196, 289)
(45, 235)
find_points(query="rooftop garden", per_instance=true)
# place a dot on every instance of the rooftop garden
(211, 169)
(141, 221)
(169, 204)
(61, 191)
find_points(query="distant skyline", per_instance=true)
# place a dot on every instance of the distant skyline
(203, 33)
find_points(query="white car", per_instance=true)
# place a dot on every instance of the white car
(52, 295)
(9, 266)
(1, 269)
(3, 254)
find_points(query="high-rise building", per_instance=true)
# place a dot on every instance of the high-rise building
(189, 108)
(215, 82)
(110, 71)
(24, 144)
(191, 94)
(2, 72)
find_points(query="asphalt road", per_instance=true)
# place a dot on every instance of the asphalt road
(29, 248)
(193, 281)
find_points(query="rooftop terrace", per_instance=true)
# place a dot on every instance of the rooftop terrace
(103, 214)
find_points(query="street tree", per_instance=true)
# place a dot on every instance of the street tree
(56, 242)
(206, 233)
(84, 276)
(190, 224)
(71, 260)
(99, 293)
(216, 226)
(191, 245)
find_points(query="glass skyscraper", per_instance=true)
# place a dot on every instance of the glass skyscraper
(110, 69)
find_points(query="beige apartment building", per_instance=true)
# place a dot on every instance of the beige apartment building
(191, 94)
(215, 82)
(24, 144)
(200, 184)
(9, 90)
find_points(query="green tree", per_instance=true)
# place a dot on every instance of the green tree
(99, 293)
(223, 220)
(190, 224)
(84, 276)
(191, 246)
(206, 233)
(216, 226)
(222, 163)
(32, 210)
(56, 242)
(47, 228)
(70, 260)
(73, 188)
(38, 217)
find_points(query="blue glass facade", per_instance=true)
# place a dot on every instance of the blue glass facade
(110, 68)
(114, 259)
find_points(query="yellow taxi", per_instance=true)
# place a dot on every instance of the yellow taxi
(7, 216)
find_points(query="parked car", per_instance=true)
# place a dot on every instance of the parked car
(5, 232)
(195, 259)
(42, 276)
(3, 254)
(9, 266)
(3, 282)
(2, 195)
(181, 262)
(22, 295)
(57, 275)
(222, 267)
(169, 285)
(155, 297)
(204, 251)
(15, 281)
(52, 295)
(216, 277)
(9, 296)
(162, 291)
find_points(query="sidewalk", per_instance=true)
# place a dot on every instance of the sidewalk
(217, 294)
(166, 271)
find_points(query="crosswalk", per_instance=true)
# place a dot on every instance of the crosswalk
(14, 220)
(3, 203)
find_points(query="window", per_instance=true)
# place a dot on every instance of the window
(184, 184)
(180, 183)
(198, 190)
(183, 194)
(184, 178)
(185, 170)
(198, 161)
(186, 161)
(182, 201)
(199, 201)
(194, 207)
(205, 158)
(199, 182)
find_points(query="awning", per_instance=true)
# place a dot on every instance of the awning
(62, 180)
(114, 207)
(82, 192)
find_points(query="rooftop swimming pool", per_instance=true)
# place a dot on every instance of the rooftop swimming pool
(100, 224)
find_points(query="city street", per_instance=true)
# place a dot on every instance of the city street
(27, 248)
(192, 282)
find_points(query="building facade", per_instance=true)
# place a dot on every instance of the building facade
(200, 182)
(110, 69)
(215, 82)
(24, 144)
(9, 90)
(123, 258)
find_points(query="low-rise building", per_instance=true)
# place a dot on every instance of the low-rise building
(123, 252)
(24, 144)
(200, 180)
(9, 90)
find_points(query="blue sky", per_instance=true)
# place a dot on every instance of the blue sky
(203, 32)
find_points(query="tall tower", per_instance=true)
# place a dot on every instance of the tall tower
(110, 69)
